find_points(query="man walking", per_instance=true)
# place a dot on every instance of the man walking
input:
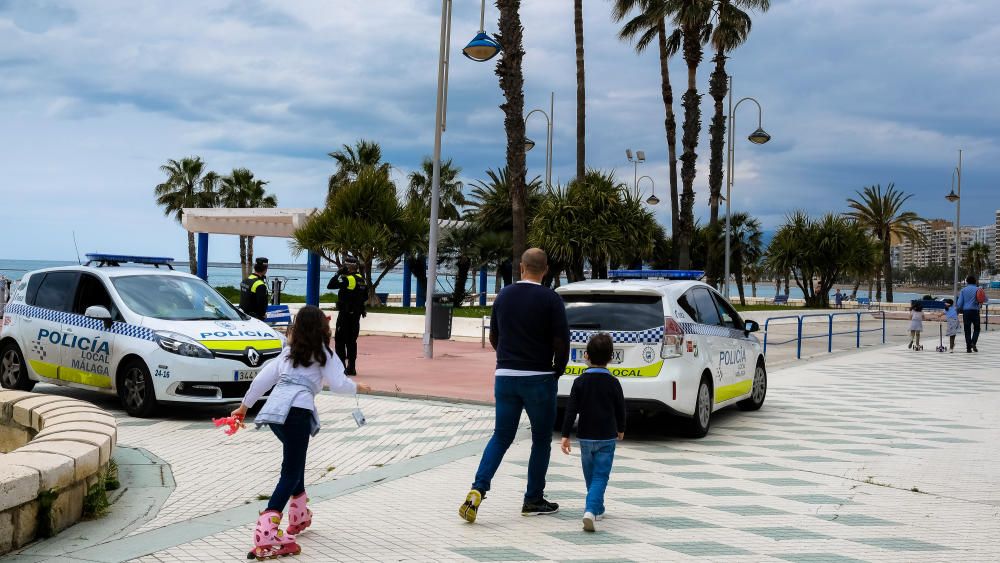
(529, 332)
(253, 291)
(968, 305)
(351, 297)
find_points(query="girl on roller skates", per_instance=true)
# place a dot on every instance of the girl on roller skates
(296, 376)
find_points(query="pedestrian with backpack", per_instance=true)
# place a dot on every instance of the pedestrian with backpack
(970, 299)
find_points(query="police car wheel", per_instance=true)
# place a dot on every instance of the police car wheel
(136, 390)
(701, 421)
(757, 392)
(13, 371)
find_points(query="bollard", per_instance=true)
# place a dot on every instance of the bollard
(858, 332)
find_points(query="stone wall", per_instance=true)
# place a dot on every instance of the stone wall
(59, 450)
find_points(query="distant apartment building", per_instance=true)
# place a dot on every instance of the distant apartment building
(939, 235)
(996, 240)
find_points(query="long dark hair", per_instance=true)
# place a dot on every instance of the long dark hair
(309, 337)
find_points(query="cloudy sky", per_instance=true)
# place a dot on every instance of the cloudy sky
(96, 94)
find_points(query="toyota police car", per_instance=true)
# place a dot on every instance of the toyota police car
(679, 347)
(151, 335)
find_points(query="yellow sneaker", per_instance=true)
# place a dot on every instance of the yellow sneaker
(470, 507)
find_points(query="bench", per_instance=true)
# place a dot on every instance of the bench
(928, 304)
(866, 302)
(486, 326)
(278, 315)
(780, 300)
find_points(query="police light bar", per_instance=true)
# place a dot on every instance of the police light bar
(657, 274)
(118, 259)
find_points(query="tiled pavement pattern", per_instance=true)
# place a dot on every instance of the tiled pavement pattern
(823, 473)
(213, 471)
(886, 455)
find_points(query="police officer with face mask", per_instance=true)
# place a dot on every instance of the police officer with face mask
(253, 291)
(352, 295)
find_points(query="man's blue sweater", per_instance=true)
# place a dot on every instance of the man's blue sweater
(529, 323)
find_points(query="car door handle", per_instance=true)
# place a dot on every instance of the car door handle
(68, 330)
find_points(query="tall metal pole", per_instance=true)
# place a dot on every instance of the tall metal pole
(730, 156)
(432, 249)
(958, 222)
(548, 144)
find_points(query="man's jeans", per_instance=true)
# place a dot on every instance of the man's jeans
(597, 457)
(971, 318)
(535, 394)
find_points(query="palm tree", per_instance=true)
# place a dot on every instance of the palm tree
(732, 26)
(451, 198)
(977, 258)
(366, 219)
(511, 74)
(188, 185)
(490, 206)
(691, 18)
(881, 214)
(241, 190)
(257, 197)
(650, 24)
(352, 160)
(581, 92)
(746, 246)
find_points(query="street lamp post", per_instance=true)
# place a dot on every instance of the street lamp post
(652, 199)
(481, 48)
(640, 157)
(956, 198)
(529, 144)
(758, 137)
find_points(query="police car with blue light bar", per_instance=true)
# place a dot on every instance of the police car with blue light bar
(680, 347)
(122, 324)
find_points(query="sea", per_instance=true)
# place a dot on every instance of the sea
(228, 274)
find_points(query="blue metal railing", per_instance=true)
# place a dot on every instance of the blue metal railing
(829, 334)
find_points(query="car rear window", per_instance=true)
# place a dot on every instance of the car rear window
(613, 312)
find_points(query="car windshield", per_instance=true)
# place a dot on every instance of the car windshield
(608, 312)
(173, 298)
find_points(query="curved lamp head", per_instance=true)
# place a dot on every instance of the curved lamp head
(759, 137)
(482, 48)
(653, 200)
(528, 144)
(952, 197)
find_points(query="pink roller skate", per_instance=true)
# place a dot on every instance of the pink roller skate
(269, 540)
(299, 515)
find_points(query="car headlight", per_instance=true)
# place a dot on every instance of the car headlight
(182, 345)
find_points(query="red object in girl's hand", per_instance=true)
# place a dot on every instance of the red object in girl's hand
(234, 423)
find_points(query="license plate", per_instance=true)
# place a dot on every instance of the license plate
(245, 374)
(576, 355)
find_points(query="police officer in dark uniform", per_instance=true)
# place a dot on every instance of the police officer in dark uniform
(352, 296)
(253, 291)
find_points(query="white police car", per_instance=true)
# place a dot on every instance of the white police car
(148, 334)
(679, 347)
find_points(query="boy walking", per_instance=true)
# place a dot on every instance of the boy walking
(597, 397)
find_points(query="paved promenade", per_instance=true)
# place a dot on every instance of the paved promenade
(881, 455)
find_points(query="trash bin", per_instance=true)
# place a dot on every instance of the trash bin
(441, 316)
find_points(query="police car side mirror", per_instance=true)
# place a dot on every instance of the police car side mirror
(100, 313)
(750, 326)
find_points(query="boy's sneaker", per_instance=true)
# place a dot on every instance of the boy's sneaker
(538, 507)
(588, 522)
(470, 507)
(599, 517)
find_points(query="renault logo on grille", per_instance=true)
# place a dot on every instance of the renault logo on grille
(253, 356)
